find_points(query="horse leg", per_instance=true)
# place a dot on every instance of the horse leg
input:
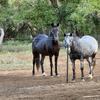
(91, 63)
(37, 59)
(33, 71)
(42, 67)
(82, 69)
(73, 69)
(56, 59)
(51, 65)
(94, 63)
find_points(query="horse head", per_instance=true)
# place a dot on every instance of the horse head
(54, 33)
(68, 38)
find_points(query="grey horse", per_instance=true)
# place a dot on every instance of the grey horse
(82, 48)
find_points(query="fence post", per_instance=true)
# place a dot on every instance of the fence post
(67, 63)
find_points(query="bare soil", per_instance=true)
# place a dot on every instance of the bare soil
(21, 85)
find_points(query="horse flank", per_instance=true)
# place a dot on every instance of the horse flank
(86, 45)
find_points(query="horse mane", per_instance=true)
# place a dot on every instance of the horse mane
(76, 44)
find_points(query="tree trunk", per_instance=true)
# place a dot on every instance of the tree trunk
(54, 3)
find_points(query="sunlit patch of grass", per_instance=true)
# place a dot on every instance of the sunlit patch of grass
(18, 55)
(15, 55)
(16, 46)
(15, 60)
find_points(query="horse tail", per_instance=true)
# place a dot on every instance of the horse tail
(36, 54)
(37, 62)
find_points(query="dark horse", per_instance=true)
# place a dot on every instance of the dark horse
(46, 46)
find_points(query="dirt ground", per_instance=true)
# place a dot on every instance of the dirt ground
(21, 85)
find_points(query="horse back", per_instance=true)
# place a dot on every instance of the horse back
(40, 43)
(90, 43)
(86, 46)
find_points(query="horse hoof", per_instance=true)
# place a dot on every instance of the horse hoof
(73, 80)
(83, 80)
(51, 75)
(58, 75)
(44, 74)
(33, 74)
(90, 76)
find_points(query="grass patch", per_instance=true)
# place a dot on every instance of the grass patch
(16, 46)
(16, 55)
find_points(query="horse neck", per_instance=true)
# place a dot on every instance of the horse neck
(52, 42)
(55, 42)
(75, 44)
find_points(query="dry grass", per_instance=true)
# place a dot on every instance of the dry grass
(18, 56)
(15, 55)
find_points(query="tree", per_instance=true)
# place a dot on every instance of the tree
(4, 2)
(54, 3)
(71, 14)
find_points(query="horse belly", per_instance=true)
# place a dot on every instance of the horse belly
(75, 55)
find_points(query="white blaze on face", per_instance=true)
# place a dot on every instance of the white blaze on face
(68, 40)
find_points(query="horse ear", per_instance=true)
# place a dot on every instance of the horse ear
(71, 34)
(64, 34)
(57, 24)
(52, 24)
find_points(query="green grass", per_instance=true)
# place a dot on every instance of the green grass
(16, 55)
(12, 55)
(16, 46)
